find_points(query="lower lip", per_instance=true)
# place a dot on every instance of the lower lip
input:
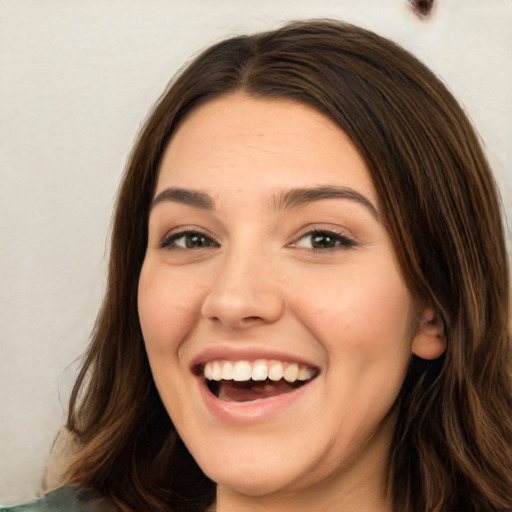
(250, 412)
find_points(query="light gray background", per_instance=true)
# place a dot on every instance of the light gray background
(76, 80)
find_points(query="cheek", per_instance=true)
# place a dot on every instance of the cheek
(364, 311)
(168, 306)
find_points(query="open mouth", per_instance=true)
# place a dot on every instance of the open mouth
(246, 381)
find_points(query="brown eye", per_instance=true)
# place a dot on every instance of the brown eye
(188, 240)
(422, 8)
(319, 240)
(323, 241)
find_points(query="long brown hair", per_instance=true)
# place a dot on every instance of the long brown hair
(452, 442)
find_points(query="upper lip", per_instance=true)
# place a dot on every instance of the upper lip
(228, 353)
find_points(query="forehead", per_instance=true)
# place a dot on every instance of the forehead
(260, 143)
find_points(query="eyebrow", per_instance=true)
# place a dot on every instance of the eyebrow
(194, 198)
(296, 197)
(285, 200)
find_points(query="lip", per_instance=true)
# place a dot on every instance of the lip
(251, 412)
(258, 410)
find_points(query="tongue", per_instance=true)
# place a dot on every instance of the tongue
(232, 391)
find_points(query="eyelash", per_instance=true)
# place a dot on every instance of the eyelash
(337, 240)
(169, 242)
(340, 241)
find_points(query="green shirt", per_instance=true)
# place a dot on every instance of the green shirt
(64, 499)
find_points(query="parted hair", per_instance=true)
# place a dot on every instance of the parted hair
(451, 449)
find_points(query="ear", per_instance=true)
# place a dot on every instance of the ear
(430, 340)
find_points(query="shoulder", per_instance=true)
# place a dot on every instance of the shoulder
(65, 499)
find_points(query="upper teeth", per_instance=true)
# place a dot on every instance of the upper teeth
(259, 370)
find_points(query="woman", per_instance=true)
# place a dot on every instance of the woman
(307, 305)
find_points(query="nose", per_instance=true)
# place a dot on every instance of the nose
(244, 293)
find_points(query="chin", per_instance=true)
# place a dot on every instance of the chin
(264, 469)
(254, 485)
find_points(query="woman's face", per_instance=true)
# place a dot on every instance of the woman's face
(267, 257)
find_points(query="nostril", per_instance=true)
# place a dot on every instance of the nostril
(252, 319)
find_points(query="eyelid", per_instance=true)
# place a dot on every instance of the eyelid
(346, 239)
(178, 232)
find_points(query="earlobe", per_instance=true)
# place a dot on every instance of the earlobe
(430, 339)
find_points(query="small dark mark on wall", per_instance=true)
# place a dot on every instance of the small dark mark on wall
(422, 8)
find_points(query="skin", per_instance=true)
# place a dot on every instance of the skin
(256, 279)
